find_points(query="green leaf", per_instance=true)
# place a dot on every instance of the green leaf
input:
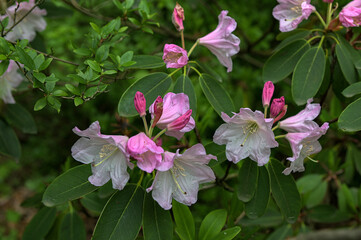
(40, 76)
(9, 143)
(216, 95)
(346, 64)
(71, 185)
(327, 214)
(348, 197)
(308, 75)
(93, 202)
(4, 46)
(185, 85)
(353, 155)
(184, 221)
(40, 225)
(40, 104)
(83, 51)
(217, 150)
(60, 93)
(102, 53)
(212, 224)
(72, 228)
(309, 182)
(126, 57)
(350, 118)
(247, 180)
(94, 27)
(45, 64)
(228, 234)
(19, 117)
(25, 58)
(152, 86)
(295, 37)
(128, 4)
(94, 65)
(157, 222)
(282, 63)
(352, 90)
(315, 197)
(78, 101)
(257, 206)
(118, 4)
(284, 191)
(147, 62)
(281, 233)
(71, 88)
(4, 66)
(39, 60)
(121, 216)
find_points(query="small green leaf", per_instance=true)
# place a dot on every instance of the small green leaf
(71, 88)
(184, 221)
(228, 234)
(128, 4)
(102, 53)
(45, 64)
(94, 65)
(95, 27)
(147, 62)
(126, 57)
(217, 150)
(327, 214)
(315, 197)
(184, 85)
(40, 225)
(78, 101)
(118, 4)
(39, 60)
(40, 76)
(212, 224)
(352, 90)
(9, 143)
(350, 118)
(25, 58)
(4, 66)
(309, 182)
(281, 233)
(72, 227)
(40, 104)
(247, 180)
(60, 93)
(19, 117)
(83, 51)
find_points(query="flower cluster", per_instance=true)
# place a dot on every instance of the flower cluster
(177, 175)
(250, 134)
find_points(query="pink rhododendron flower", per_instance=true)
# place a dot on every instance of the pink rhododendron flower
(106, 153)
(178, 17)
(34, 21)
(350, 15)
(221, 42)
(267, 93)
(8, 81)
(290, 13)
(303, 121)
(181, 182)
(174, 56)
(145, 151)
(174, 106)
(303, 145)
(246, 134)
(139, 103)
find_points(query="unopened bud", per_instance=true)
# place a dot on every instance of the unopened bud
(140, 103)
(180, 122)
(178, 17)
(158, 110)
(277, 106)
(281, 115)
(267, 94)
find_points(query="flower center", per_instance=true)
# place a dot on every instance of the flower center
(176, 171)
(248, 129)
(172, 57)
(106, 152)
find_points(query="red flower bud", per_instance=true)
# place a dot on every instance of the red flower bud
(139, 103)
(267, 94)
(158, 110)
(180, 122)
(277, 106)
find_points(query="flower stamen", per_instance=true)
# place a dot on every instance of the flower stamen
(105, 152)
(249, 129)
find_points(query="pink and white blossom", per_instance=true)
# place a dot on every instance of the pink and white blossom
(350, 15)
(181, 182)
(174, 106)
(290, 13)
(174, 56)
(246, 134)
(145, 151)
(105, 153)
(304, 145)
(303, 121)
(27, 28)
(9, 81)
(221, 42)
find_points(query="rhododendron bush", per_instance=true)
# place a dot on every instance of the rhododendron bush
(186, 120)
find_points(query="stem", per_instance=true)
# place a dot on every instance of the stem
(182, 36)
(141, 179)
(193, 47)
(195, 69)
(145, 125)
(280, 136)
(275, 127)
(265, 111)
(320, 44)
(159, 134)
(329, 13)
(334, 39)
(151, 128)
(172, 73)
(321, 19)
(313, 38)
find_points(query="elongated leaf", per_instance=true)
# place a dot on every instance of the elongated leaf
(295, 37)
(185, 85)
(40, 225)
(350, 118)
(93, 202)
(122, 215)
(70, 185)
(25, 58)
(217, 150)
(353, 156)
(353, 54)
(309, 182)
(282, 63)
(247, 180)
(9, 143)
(157, 222)
(184, 221)
(3, 66)
(151, 86)
(228, 234)
(72, 228)
(281, 233)
(212, 224)
(19, 117)
(258, 204)
(315, 197)
(147, 62)
(308, 75)
(216, 95)
(327, 214)
(346, 64)
(352, 90)
(284, 191)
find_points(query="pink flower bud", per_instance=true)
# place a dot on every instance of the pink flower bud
(268, 90)
(139, 103)
(277, 106)
(178, 17)
(158, 110)
(283, 112)
(180, 122)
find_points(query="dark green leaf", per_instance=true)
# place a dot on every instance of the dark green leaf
(121, 216)
(94, 65)
(309, 182)
(157, 222)
(9, 143)
(282, 63)
(281, 233)
(228, 234)
(217, 150)
(45, 64)
(19, 117)
(40, 76)
(83, 51)
(315, 197)
(350, 118)
(258, 204)
(93, 202)
(212, 224)
(308, 75)
(247, 180)
(71, 185)
(353, 155)
(327, 214)
(152, 86)
(347, 67)
(185, 85)
(40, 104)
(40, 225)
(102, 53)
(126, 57)
(25, 58)
(147, 62)
(39, 60)
(284, 191)
(216, 95)
(3, 66)
(352, 90)
(184, 221)
(295, 37)
(72, 227)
